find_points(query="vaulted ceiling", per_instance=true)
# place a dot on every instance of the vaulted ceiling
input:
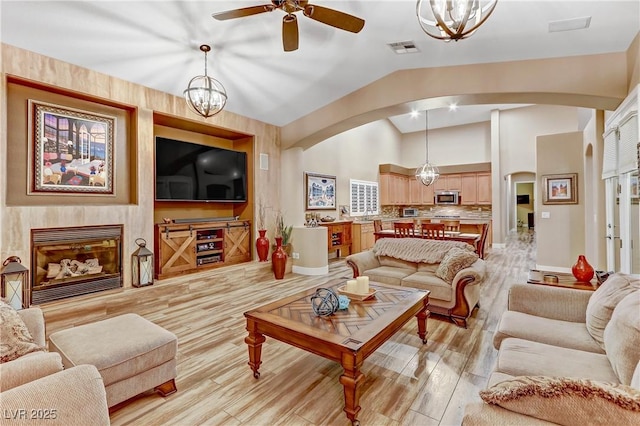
(155, 44)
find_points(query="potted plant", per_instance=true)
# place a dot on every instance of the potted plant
(262, 242)
(284, 232)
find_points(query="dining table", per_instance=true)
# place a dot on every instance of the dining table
(469, 238)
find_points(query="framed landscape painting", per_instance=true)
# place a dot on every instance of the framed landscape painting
(560, 189)
(320, 191)
(71, 150)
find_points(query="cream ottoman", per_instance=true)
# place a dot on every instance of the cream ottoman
(132, 354)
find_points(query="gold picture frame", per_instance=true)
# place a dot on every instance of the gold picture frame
(71, 150)
(560, 189)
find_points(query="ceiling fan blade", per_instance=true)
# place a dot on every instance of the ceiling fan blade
(245, 11)
(290, 32)
(332, 17)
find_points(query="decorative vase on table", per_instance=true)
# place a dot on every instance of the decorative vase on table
(582, 270)
(279, 260)
(262, 246)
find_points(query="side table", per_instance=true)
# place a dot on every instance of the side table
(559, 279)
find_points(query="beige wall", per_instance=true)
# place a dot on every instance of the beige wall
(471, 143)
(561, 237)
(137, 215)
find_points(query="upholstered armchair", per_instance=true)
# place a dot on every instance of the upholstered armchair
(36, 390)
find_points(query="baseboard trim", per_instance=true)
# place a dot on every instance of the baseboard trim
(302, 270)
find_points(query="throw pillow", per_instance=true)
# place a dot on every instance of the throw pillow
(566, 401)
(604, 300)
(16, 339)
(454, 261)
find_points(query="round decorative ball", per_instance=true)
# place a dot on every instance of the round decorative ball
(324, 302)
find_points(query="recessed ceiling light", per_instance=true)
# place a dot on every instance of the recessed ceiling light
(453, 107)
(402, 47)
(415, 114)
(570, 24)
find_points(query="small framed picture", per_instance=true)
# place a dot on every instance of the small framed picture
(560, 189)
(320, 191)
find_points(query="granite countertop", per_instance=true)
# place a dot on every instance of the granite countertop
(465, 220)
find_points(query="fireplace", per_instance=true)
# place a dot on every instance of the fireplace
(67, 262)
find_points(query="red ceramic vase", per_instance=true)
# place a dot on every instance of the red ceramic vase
(278, 260)
(582, 270)
(262, 246)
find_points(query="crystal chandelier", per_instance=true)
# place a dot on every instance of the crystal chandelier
(453, 19)
(427, 174)
(205, 95)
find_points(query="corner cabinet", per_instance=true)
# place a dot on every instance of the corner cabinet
(182, 248)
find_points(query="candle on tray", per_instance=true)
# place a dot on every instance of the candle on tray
(362, 285)
(351, 286)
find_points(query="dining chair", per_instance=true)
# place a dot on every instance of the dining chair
(451, 225)
(403, 230)
(483, 240)
(377, 225)
(433, 231)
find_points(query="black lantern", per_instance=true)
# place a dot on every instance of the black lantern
(142, 265)
(14, 283)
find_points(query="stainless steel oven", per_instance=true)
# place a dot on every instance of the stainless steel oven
(448, 197)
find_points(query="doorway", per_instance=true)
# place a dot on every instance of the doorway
(524, 209)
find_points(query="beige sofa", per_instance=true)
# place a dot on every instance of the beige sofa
(450, 270)
(569, 357)
(34, 388)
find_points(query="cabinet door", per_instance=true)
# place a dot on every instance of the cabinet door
(484, 188)
(441, 183)
(177, 251)
(415, 192)
(346, 235)
(367, 237)
(237, 244)
(384, 185)
(454, 182)
(469, 191)
(427, 195)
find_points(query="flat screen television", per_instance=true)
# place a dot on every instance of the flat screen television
(187, 171)
(522, 199)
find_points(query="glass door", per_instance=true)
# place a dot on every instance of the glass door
(613, 224)
(634, 225)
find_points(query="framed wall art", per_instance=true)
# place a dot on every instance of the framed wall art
(320, 191)
(71, 150)
(560, 189)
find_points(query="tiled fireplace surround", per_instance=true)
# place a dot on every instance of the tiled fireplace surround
(71, 261)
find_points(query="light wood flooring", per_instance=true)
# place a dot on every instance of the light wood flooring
(406, 382)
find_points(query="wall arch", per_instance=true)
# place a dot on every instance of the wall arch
(594, 81)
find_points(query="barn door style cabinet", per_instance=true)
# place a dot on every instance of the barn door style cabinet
(182, 248)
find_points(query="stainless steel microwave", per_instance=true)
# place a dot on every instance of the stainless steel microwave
(410, 212)
(448, 197)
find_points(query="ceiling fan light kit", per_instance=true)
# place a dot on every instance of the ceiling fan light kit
(325, 15)
(205, 95)
(453, 19)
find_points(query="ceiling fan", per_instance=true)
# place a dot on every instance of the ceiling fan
(332, 17)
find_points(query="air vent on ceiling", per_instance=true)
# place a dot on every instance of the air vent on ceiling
(570, 24)
(403, 47)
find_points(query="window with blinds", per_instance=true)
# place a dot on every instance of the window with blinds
(363, 198)
(627, 143)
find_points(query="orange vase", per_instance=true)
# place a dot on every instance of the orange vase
(278, 260)
(582, 270)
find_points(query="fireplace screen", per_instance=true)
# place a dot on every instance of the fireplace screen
(68, 262)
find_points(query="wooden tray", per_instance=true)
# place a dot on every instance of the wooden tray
(357, 296)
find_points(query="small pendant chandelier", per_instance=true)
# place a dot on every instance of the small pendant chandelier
(205, 95)
(453, 19)
(427, 174)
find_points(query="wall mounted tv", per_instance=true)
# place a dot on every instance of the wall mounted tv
(187, 171)
(522, 199)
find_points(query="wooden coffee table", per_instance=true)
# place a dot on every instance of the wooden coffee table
(348, 336)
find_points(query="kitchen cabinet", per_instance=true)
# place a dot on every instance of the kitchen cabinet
(394, 189)
(469, 191)
(363, 238)
(484, 195)
(449, 182)
(420, 194)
